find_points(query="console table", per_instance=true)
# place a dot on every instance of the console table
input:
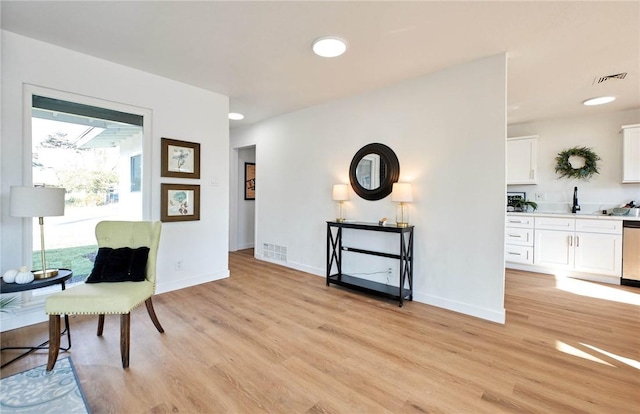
(60, 279)
(405, 256)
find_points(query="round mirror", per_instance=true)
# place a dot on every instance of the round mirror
(373, 171)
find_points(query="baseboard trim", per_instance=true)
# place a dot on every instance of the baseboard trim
(192, 281)
(292, 265)
(464, 308)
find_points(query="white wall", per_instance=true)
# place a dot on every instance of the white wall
(599, 132)
(178, 110)
(246, 208)
(448, 130)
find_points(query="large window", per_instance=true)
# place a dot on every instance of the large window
(95, 154)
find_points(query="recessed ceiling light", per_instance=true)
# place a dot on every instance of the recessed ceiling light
(329, 46)
(599, 101)
(235, 116)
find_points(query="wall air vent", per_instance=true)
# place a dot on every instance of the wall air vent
(601, 79)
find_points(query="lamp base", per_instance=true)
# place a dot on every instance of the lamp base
(45, 274)
(402, 224)
(340, 220)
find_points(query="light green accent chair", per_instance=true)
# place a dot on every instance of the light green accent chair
(110, 298)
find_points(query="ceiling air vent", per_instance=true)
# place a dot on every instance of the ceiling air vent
(602, 79)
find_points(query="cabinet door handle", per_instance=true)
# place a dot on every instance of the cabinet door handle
(515, 235)
(570, 240)
(577, 241)
(515, 254)
(532, 174)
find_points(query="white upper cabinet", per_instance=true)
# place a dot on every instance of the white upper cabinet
(631, 154)
(522, 160)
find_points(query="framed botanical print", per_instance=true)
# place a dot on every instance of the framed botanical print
(179, 202)
(249, 181)
(180, 159)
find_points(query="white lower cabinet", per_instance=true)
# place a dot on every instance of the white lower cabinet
(554, 248)
(519, 240)
(598, 253)
(598, 249)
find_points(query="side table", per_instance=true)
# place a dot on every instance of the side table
(60, 279)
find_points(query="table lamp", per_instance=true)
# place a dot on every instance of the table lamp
(340, 194)
(38, 202)
(401, 193)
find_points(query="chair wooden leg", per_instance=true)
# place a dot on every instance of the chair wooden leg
(152, 315)
(100, 325)
(125, 323)
(54, 340)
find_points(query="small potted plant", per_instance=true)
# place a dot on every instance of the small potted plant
(522, 205)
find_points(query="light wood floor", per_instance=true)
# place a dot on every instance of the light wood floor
(271, 339)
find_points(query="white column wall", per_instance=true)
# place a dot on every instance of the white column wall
(448, 130)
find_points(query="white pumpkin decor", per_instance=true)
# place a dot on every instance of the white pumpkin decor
(24, 276)
(10, 276)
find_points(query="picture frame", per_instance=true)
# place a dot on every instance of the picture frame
(514, 195)
(180, 159)
(179, 202)
(249, 180)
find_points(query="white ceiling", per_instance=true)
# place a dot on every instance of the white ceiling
(259, 53)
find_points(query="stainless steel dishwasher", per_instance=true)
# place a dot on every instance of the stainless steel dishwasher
(630, 253)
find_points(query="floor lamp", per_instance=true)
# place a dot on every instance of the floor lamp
(38, 202)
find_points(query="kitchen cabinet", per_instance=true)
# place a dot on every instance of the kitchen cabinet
(631, 154)
(522, 158)
(519, 239)
(582, 245)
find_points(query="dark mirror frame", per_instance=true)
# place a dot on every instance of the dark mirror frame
(388, 158)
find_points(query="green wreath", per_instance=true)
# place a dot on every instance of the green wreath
(565, 169)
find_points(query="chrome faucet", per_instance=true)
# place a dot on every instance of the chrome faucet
(575, 207)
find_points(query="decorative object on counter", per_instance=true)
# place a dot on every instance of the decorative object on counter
(620, 211)
(38, 202)
(401, 193)
(10, 276)
(629, 208)
(522, 205)
(512, 196)
(382, 222)
(566, 160)
(340, 194)
(25, 276)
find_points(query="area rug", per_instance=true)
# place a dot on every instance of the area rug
(39, 391)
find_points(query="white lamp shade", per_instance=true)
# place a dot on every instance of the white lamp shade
(401, 193)
(37, 201)
(340, 192)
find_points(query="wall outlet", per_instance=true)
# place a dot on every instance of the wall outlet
(541, 196)
(389, 271)
(178, 265)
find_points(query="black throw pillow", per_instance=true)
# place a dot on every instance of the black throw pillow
(119, 265)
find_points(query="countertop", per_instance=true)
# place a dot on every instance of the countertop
(590, 216)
